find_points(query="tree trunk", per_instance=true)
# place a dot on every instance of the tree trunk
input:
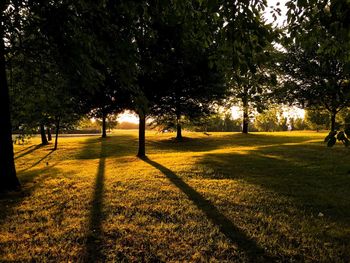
(333, 115)
(57, 130)
(104, 133)
(245, 121)
(178, 131)
(245, 116)
(8, 178)
(43, 135)
(178, 128)
(49, 136)
(142, 130)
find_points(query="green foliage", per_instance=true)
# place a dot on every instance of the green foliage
(342, 136)
(271, 120)
(111, 122)
(317, 58)
(317, 118)
(178, 74)
(187, 47)
(86, 123)
(298, 124)
(243, 33)
(344, 118)
(218, 123)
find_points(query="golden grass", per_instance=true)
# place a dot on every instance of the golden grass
(224, 197)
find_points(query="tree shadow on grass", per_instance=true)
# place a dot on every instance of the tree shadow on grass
(201, 144)
(314, 177)
(251, 249)
(30, 150)
(113, 146)
(30, 182)
(127, 145)
(25, 149)
(39, 161)
(94, 240)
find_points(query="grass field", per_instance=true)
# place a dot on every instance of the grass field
(261, 197)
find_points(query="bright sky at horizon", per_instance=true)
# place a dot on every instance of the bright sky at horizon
(128, 116)
(236, 112)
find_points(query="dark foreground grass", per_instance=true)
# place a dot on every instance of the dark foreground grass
(264, 197)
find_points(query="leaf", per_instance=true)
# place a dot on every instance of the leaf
(331, 142)
(347, 132)
(332, 134)
(341, 136)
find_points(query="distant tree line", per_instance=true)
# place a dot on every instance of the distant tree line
(273, 119)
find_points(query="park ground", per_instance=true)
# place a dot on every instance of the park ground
(261, 197)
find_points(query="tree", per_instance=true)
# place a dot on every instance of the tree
(188, 54)
(247, 40)
(298, 124)
(218, 123)
(112, 25)
(110, 122)
(344, 118)
(41, 94)
(271, 120)
(194, 90)
(317, 118)
(317, 60)
(221, 33)
(8, 176)
(92, 50)
(252, 89)
(109, 99)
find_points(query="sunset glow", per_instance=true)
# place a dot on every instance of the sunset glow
(128, 116)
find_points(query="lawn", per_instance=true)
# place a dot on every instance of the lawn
(229, 197)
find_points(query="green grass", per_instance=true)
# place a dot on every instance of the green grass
(225, 197)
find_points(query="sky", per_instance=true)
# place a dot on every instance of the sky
(128, 116)
(270, 5)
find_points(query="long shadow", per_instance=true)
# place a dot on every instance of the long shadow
(252, 250)
(216, 142)
(126, 145)
(113, 146)
(25, 149)
(93, 244)
(302, 173)
(28, 152)
(303, 176)
(39, 161)
(30, 182)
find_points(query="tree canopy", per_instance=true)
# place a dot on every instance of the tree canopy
(317, 58)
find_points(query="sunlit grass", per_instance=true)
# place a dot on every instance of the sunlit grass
(224, 197)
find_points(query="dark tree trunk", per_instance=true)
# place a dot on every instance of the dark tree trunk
(142, 141)
(56, 135)
(178, 131)
(43, 135)
(245, 123)
(178, 128)
(8, 178)
(333, 115)
(104, 133)
(49, 136)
